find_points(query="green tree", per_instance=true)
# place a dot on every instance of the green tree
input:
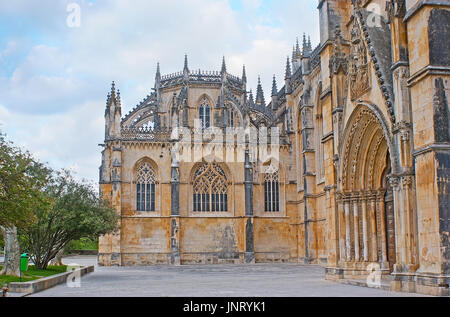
(76, 211)
(21, 181)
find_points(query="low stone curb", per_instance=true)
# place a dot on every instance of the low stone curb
(27, 288)
(382, 286)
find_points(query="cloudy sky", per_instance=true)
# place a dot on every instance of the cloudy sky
(54, 78)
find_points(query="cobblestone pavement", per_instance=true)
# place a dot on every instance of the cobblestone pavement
(259, 280)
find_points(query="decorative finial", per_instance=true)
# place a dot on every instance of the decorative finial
(288, 68)
(297, 49)
(186, 68)
(157, 76)
(274, 86)
(305, 44)
(224, 66)
(260, 94)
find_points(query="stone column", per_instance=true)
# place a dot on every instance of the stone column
(400, 251)
(348, 246)
(342, 232)
(116, 177)
(373, 229)
(332, 236)
(175, 181)
(383, 231)
(249, 228)
(410, 223)
(365, 227)
(356, 227)
(175, 258)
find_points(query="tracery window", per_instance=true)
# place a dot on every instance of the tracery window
(272, 190)
(205, 114)
(145, 188)
(210, 186)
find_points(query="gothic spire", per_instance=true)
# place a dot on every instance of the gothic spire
(158, 71)
(157, 76)
(288, 68)
(224, 66)
(274, 86)
(298, 53)
(250, 98)
(260, 101)
(244, 75)
(307, 49)
(186, 68)
(305, 44)
(113, 92)
(118, 100)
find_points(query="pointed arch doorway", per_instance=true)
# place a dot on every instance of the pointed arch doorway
(366, 207)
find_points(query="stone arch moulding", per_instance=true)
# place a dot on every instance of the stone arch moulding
(352, 126)
(147, 159)
(207, 97)
(237, 111)
(222, 165)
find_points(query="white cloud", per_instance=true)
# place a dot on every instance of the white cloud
(63, 140)
(251, 4)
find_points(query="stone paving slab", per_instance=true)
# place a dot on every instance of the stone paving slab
(258, 280)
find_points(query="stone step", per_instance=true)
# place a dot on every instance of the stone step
(385, 284)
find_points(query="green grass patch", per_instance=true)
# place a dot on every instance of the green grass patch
(6, 279)
(33, 274)
(51, 270)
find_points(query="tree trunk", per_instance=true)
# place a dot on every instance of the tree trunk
(12, 252)
(57, 260)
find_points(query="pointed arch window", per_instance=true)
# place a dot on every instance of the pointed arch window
(231, 116)
(272, 190)
(205, 114)
(145, 188)
(210, 189)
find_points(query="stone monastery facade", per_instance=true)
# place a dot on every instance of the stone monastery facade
(347, 166)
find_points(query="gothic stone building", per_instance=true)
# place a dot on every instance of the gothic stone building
(361, 178)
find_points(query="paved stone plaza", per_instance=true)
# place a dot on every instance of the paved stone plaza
(259, 280)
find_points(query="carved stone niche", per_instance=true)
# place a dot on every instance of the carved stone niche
(358, 70)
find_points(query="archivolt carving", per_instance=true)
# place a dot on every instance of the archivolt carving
(364, 121)
(357, 144)
(372, 161)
